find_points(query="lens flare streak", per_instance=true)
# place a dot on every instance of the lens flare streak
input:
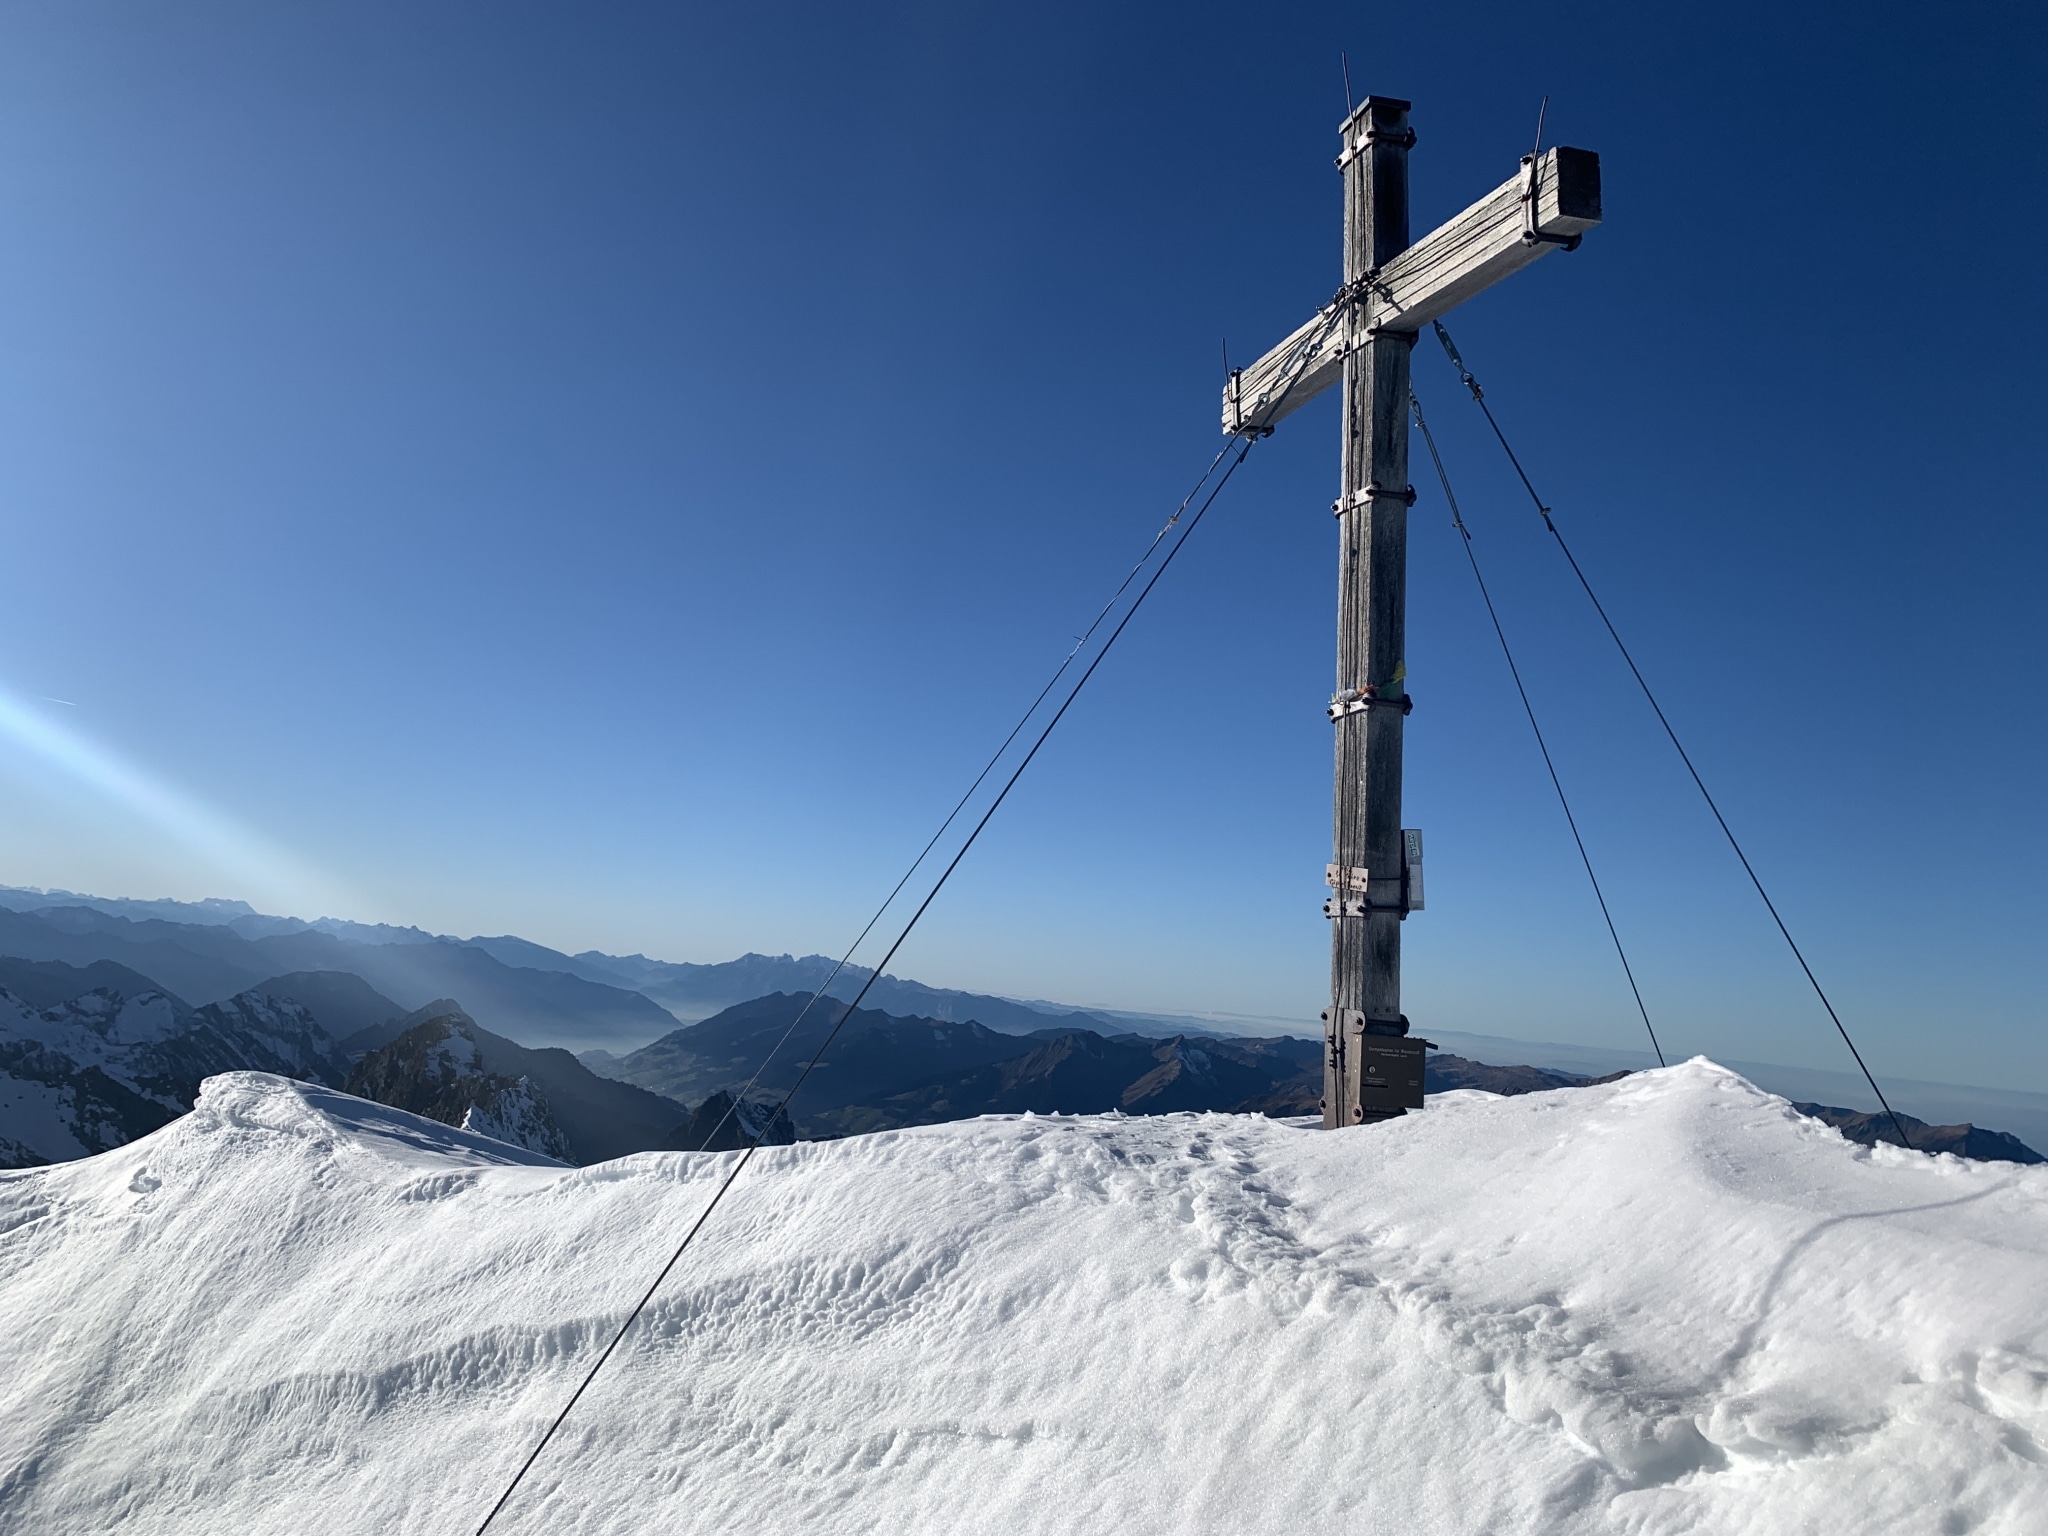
(229, 848)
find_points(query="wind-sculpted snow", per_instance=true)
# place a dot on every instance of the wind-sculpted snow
(1667, 1304)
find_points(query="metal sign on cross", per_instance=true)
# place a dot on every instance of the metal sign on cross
(1392, 289)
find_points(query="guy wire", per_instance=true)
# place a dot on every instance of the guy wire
(1479, 398)
(1465, 538)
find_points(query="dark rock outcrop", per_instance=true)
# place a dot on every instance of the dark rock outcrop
(436, 1068)
(716, 1126)
(1962, 1140)
(600, 1118)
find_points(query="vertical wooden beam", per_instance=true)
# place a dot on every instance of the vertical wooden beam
(1372, 564)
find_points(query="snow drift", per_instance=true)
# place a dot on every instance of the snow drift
(1668, 1304)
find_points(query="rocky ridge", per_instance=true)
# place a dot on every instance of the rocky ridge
(436, 1069)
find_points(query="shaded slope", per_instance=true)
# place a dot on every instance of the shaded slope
(717, 1126)
(883, 1071)
(1075, 1072)
(46, 983)
(436, 1069)
(874, 1055)
(343, 1002)
(600, 1117)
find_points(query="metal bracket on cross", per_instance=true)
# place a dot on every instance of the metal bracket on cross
(1532, 232)
(1366, 495)
(1356, 701)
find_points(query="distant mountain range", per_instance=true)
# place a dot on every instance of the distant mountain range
(214, 949)
(883, 1070)
(880, 1072)
(99, 1043)
(215, 961)
(1962, 1140)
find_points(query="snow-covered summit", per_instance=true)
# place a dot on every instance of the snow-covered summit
(1668, 1304)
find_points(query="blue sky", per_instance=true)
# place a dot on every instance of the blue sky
(611, 474)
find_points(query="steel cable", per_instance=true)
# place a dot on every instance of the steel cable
(1465, 538)
(1080, 642)
(1479, 398)
(754, 1144)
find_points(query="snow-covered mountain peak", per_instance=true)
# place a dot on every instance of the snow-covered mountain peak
(1662, 1305)
(106, 1067)
(138, 1020)
(93, 1023)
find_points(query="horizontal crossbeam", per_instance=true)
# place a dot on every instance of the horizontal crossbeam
(1493, 238)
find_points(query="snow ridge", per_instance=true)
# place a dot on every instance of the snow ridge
(1667, 1304)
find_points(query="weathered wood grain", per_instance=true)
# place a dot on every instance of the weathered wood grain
(1447, 266)
(1372, 571)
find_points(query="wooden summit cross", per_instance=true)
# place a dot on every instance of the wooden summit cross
(1391, 291)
